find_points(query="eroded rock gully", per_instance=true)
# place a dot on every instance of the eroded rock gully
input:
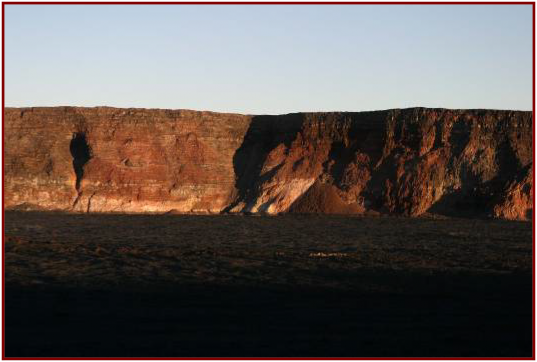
(402, 161)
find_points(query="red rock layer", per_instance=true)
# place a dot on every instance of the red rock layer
(411, 161)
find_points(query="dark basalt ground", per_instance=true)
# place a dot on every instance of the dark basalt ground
(228, 285)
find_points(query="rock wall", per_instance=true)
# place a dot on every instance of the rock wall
(409, 161)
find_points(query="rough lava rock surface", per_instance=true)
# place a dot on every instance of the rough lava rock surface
(475, 163)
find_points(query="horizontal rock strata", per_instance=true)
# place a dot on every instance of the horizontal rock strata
(475, 163)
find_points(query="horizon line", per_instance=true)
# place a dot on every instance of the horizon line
(272, 114)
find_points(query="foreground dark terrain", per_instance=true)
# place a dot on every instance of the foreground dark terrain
(229, 285)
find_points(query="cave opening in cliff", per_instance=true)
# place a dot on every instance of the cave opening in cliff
(81, 152)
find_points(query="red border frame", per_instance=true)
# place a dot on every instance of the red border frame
(268, 3)
(532, 3)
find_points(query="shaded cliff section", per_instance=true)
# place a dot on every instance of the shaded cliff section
(469, 163)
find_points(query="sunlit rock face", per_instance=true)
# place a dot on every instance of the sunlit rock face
(470, 163)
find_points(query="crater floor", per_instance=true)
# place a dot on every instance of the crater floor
(290, 285)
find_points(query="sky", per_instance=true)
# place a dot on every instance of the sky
(269, 59)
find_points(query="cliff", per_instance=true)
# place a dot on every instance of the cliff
(409, 161)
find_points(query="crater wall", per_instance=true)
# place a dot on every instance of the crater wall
(471, 163)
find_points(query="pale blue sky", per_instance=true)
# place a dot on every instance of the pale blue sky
(269, 59)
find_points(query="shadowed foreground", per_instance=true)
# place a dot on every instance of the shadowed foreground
(186, 285)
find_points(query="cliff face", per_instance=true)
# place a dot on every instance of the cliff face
(411, 161)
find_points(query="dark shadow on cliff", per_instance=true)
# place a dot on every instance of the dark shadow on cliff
(475, 198)
(263, 135)
(340, 156)
(81, 153)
